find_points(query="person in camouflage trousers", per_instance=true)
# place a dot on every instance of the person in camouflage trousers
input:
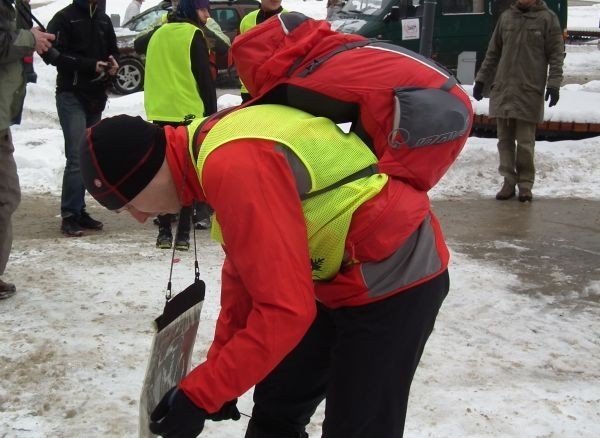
(524, 56)
(15, 44)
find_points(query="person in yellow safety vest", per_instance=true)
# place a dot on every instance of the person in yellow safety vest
(217, 41)
(331, 282)
(179, 87)
(268, 9)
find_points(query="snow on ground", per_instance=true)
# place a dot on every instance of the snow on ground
(584, 16)
(75, 339)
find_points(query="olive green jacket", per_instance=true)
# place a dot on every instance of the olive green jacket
(522, 47)
(14, 45)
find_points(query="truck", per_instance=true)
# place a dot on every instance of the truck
(461, 30)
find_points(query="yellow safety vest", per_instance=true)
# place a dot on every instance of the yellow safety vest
(327, 156)
(169, 67)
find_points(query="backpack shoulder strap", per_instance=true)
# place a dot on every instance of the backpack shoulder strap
(363, 173)
(205, 126)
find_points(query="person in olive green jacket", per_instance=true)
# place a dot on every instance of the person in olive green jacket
(15, 44)
(524, 56)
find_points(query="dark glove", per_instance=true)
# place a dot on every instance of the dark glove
(177, 416)
(228, 411)
(478, 90)
(553, 95)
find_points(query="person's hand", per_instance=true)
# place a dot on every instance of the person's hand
(101, 66)
(228, 411)
(42, 40)
(478, 90)
(177, 416)
(552, 94)
(113, 66)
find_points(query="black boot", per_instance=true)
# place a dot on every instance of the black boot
(87, 222)
(165, 238)
(182, 241)
(7, 290)
(70, 227)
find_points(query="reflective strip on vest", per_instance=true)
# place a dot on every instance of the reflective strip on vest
(416, 259)
(168, 62)
(319, 154)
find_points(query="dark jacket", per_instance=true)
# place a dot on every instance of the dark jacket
(526, 52)
(82, 38)
(14, 45)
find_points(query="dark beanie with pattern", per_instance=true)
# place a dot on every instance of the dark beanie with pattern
(119, 156)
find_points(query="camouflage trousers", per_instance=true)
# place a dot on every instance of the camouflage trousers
(516, 144)
(10, 195)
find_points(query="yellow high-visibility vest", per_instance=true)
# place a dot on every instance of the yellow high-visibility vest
(323, 153)
(168, 62)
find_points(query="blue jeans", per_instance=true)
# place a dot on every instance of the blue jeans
(73, 121)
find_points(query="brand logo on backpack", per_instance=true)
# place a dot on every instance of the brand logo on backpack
(398, 138)
(437, 139)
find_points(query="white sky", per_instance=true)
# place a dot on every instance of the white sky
(499, 364)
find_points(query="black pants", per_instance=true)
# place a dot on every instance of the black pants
(185, 217)
(361, 359)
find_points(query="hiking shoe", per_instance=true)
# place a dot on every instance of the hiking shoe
(203, 224)
(86, 221)
(70, 227)
(506, 192)
(164, 239)
(182, 242)
(7, 290)
(525, 195)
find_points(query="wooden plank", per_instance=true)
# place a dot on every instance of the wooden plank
(482, 121)
(554, 126)
(580, 127)
(594, 127)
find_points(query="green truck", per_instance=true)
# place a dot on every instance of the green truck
(461, 29)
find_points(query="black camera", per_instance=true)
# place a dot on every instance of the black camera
(51, 56)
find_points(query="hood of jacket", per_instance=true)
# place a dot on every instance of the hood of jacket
(266, 53)
(540, 5)
(87, 5)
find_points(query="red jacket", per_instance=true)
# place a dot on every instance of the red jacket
(268, 296)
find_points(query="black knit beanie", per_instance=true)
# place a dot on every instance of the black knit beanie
(119, 156)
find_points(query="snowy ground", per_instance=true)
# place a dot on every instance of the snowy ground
(75, 338)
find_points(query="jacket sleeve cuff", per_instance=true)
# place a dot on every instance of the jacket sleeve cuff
(554, 83)
(25, 40)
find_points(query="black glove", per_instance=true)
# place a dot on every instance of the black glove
(552, 94)
(177, 416)
(478, 90)
(228, 411)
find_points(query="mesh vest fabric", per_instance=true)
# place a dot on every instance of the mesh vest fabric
(168, 67)
(328, 155)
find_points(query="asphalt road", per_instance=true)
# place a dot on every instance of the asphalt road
(553, 245)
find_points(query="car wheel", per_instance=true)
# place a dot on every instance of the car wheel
(130, 76)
